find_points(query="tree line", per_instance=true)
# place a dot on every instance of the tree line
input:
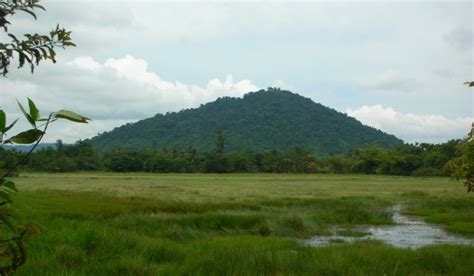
(410, 159)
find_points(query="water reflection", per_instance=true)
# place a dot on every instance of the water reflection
(409, 232)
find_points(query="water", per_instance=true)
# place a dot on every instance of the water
(409, 232)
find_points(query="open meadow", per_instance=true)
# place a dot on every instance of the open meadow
(236, 138)
(149, 224)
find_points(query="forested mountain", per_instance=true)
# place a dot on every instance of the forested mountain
(260, 121)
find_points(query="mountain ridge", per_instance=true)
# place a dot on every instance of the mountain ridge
(271, 119)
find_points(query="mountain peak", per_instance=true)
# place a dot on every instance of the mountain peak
(259, 121)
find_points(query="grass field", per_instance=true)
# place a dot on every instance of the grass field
(148, 224)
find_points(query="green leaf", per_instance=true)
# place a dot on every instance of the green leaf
(9, 184)
(28, 117)
(44, 53)
(9, 224)
(26, 137)
(29, 12)
(38, 6)
(34, 112)
(21, 59)
(14, 38)
(3, 121)
(10, 126)
(71, 116)
(5, 196)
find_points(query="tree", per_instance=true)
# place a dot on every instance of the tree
(85, 158)
(338, 163)
(31, 50)
(462, 167)
(220, 141)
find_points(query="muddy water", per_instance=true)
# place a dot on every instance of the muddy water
(408, 232)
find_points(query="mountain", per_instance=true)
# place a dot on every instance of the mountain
(260, 121)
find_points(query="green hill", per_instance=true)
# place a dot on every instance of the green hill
(264, 120)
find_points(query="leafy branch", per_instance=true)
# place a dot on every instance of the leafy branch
(13, 247)
(34, 47)
(30, 50)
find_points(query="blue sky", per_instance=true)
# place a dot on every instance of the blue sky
(397, 66)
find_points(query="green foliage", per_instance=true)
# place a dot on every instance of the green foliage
(65, 158)
(34, 47)
(13, 253)
(456, 213)
(31, 50)
(33, 115)
(462, 167)
(220, 141)
(71, 116)
(26, 137)
(3, 127)
(416, 160)
(259, 122)
(147, 224)
(2, 121)
(338, 163)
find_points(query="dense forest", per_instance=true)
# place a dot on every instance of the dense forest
(266, 120)
(417, 159)
(270, 130)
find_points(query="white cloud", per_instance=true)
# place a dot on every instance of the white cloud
(69, 132)
(323, 49)
(460, 38)
(114, 92)
(390, 80)
(412, 127)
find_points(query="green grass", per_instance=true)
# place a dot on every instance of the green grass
(149, 224)
(454, 212)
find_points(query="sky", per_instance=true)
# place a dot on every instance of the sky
(398, 66)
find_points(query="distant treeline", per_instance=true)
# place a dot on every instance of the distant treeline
(417, 159)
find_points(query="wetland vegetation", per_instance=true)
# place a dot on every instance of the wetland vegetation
(106, 223)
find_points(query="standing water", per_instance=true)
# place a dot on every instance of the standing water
(409, 232)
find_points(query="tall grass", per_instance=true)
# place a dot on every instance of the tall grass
(239, 225)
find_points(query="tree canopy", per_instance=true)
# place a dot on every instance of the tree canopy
(266, 120)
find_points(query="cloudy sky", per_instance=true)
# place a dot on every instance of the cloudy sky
(397, 66)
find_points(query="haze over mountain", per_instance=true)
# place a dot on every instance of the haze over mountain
(260, 121)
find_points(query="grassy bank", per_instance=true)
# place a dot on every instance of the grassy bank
(96, 223)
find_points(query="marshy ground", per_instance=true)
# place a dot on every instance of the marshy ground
(148, 224)
(406, 232)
